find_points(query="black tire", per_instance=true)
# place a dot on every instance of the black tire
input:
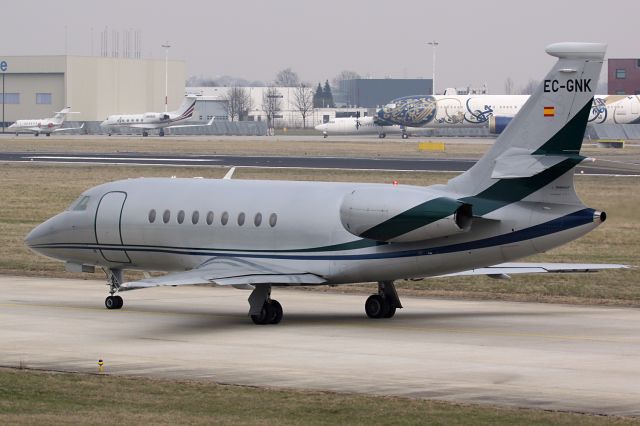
(376, 307)
(264, 316)
(391, 312)
(110, 302)
(119, 302)
(276, 312)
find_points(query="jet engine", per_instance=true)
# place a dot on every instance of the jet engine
(403, 215)
(497, 124)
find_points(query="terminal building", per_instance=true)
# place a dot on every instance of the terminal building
(95, 86)
(624, 76)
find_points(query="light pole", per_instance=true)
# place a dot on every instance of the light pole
(433, 74)
(166, 75)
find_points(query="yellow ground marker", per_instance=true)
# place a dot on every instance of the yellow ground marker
(431, 146)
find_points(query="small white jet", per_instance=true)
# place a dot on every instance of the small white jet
(156, 120)
(517, 200)
(45, 125)
(362, 126)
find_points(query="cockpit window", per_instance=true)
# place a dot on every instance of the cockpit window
(80, 204)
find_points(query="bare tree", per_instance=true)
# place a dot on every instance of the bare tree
(287, 78)
(530, 87)
(271, 105)
(508, 86)
(303, 101)
(237, 102)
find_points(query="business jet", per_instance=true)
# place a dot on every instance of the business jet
(494, 111)
(156, 120)
(45, 125)
(516, 201)
(362, 126)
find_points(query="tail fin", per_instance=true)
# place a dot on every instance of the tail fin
(186, 108)
(60, 116)
(543, 141)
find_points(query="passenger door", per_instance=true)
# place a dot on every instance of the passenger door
(108, 227)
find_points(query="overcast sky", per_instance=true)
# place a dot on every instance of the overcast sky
(480, 41)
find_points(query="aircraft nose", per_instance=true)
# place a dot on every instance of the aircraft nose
(42, 234)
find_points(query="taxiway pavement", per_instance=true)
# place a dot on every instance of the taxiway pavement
(267, 161)
(558, 357)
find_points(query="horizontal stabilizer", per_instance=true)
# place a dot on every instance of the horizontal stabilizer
(518, 163)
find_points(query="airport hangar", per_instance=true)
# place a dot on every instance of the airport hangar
(38, 86)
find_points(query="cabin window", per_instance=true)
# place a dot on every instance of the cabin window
(81, 203)
(241, 218)
(181, 216)
(152, 215)
(166, 216)
(195, 217)
(225, 218)
(257, 220)
(621, 73)
(273, 219)
(209, 218)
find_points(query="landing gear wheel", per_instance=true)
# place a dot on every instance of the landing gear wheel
(376, 307)
(48, 134)
(161, 132)
(113, 302)
(276, 312)
(145, 134)
(382, 135)
(405, 136)
(265, 315)
(37, 134)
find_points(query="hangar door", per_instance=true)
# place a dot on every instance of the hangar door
(108, 223)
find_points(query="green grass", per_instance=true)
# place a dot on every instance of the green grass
(32, 193)
(28, 397)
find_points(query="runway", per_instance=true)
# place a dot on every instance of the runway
(396, 164)
(556, 357)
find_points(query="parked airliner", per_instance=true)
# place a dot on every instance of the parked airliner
(362, 126)
(494, 111)
(44, 125)
(517, 200)
(156, 120)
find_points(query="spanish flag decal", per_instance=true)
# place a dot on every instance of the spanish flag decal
(549, 111)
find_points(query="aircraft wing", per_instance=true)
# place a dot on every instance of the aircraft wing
(64, 129)
(503, 270)
(179, 126)
(229, 271)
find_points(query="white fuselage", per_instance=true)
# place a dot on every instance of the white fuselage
(148, 120)
(44, 125)
(355, 126)
(439, 111)
(307, 232)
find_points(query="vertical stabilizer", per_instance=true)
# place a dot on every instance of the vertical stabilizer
(186, 108)
(543, 141)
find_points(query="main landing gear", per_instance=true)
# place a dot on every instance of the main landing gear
(382, 135)
(145, 133)
(262, 308)
(161, 132)
(114, 279)
(385, 303)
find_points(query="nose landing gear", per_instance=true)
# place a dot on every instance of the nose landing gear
(114, 279)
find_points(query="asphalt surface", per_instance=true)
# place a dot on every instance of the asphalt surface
(545, 356)
(402, 164)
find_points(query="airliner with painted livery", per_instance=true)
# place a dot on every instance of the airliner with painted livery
(517, 200)
(156, 120)
(494, 111)
(44, 126)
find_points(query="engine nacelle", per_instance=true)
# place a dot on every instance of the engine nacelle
(497, 124)
(403, 215)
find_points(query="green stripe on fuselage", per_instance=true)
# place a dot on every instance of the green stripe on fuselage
(414, 218)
